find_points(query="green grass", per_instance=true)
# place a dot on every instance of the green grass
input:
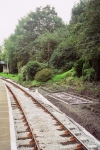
(36, 83)
(57, 78)
(13, 77)
(60, 77)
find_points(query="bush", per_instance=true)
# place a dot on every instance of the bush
(68, 66)
(20, 78)
(57, 71)
(89, 74)
(63, 59)
(44, 75)
(79, 66)
(86, 65)
(32, 68)
(22, 75)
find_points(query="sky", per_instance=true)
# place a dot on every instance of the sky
(13, 10)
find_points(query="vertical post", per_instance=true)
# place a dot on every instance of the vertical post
(48, 54)
(7, 65)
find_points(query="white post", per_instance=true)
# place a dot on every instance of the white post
(7, 65)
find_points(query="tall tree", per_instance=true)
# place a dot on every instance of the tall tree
(88, 39)
(30, 27)
(0, 52)
(21, 43)
(77, 10)
(9, 47)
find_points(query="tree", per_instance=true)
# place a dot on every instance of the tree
(41, 45)
(9, 47)
(63, 58)
(77, 11)
(1, 55)
(44, 19)
(89, 41)
(21, 45)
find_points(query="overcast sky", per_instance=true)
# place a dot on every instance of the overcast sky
(13, 10)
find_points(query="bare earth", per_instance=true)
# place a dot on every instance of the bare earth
(87, 115)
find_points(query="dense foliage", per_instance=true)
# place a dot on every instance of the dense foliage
(21, 45)
(42, 36)
(44, 75)
(31, 68)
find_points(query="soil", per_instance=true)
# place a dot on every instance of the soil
(87, 115)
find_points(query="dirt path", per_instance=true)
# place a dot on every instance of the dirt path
(87, 115)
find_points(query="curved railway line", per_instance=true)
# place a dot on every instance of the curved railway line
(24, 136)
(41, 126)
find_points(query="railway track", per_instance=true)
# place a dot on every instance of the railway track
(41, 126)
(24, 136)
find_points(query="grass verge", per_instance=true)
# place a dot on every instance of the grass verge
(65, 81)
(13, 77)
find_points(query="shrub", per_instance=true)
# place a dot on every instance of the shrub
(20, 78)
(86, 66)
(22, 74)
(44, 75)
(79, 66)
(89, 74)
(57, 71)
(43, 66)
(68, 66)
(88, 71)
(32, 68)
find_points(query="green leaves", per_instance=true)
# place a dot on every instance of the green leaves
(31, 69)
(23, 45)
(67, 43)
(44, 75)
